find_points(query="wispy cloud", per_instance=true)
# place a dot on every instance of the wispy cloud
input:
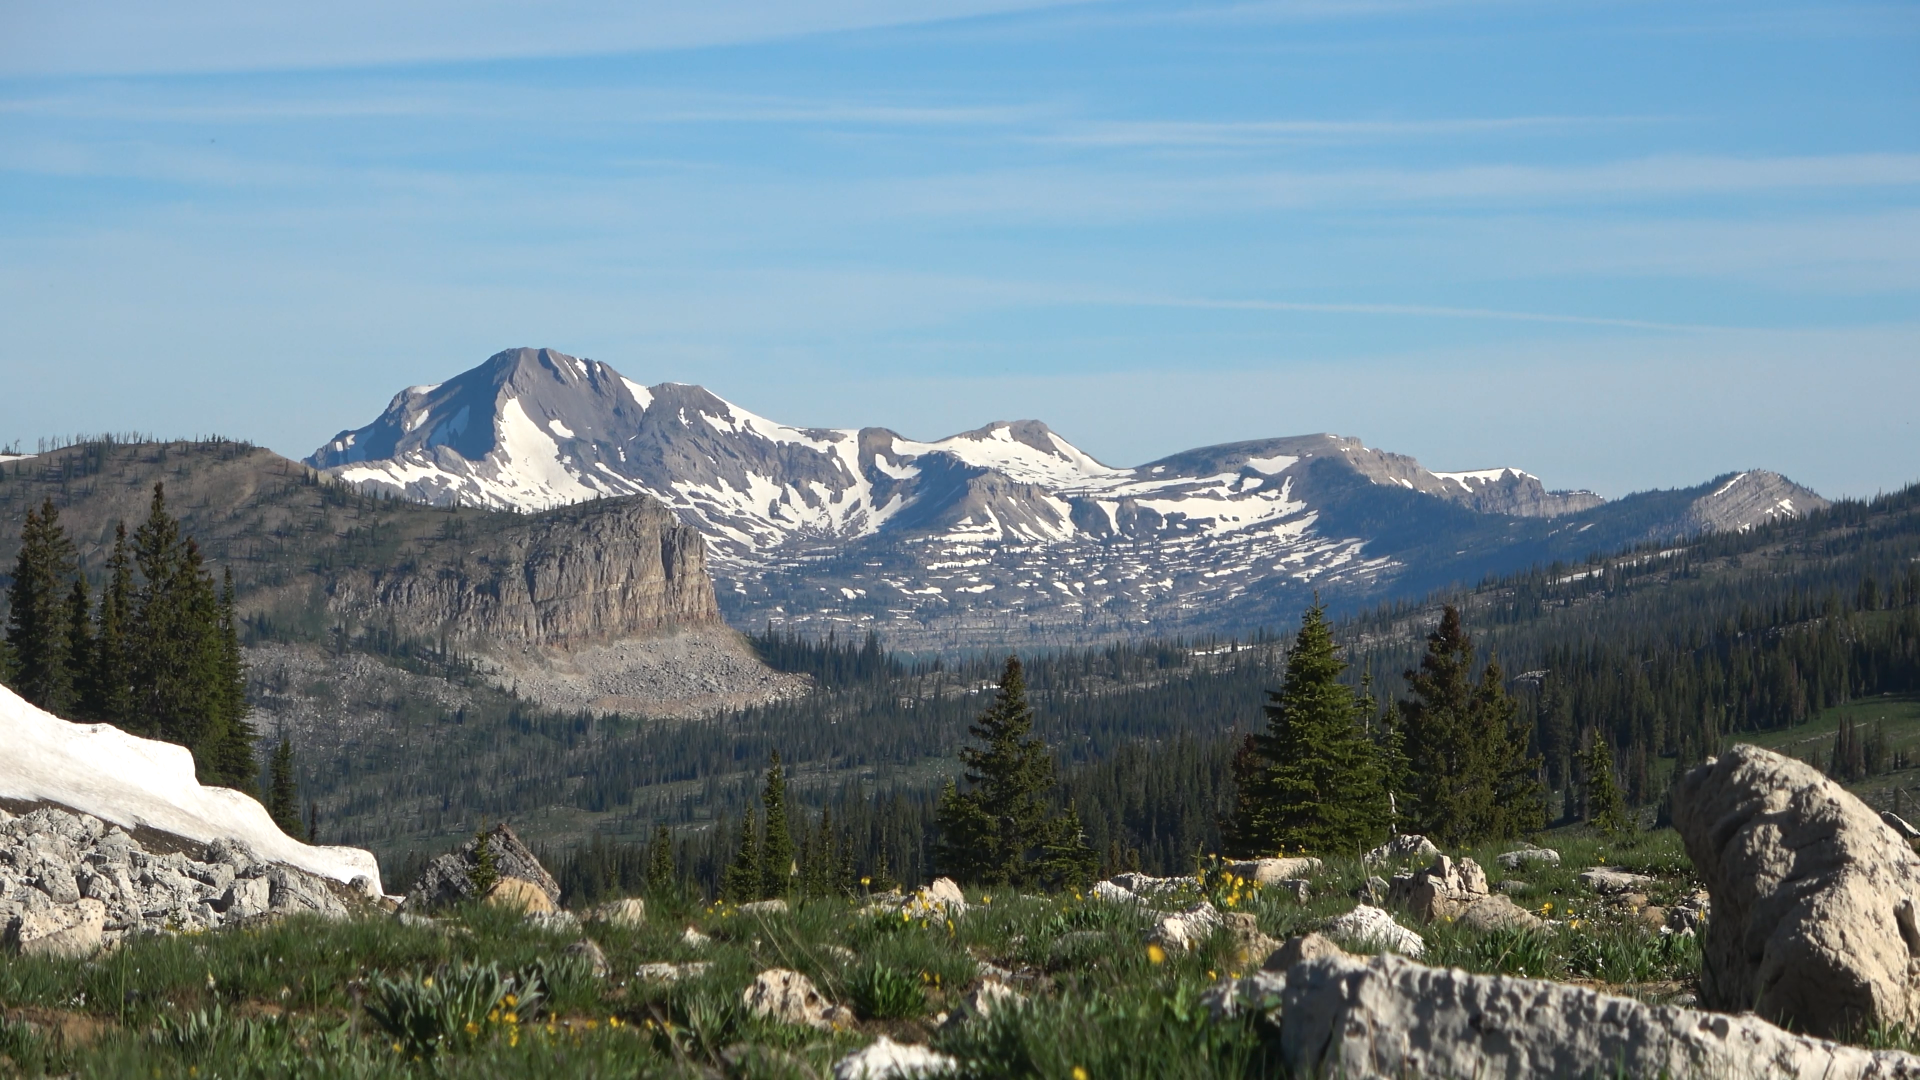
(133, 37)
(1179, 133)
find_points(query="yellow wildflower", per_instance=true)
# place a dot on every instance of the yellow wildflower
(473, 1028)
(510, 1001)
(428, 981)
(512, 1018)
(1156, 954)
(1079, 1072)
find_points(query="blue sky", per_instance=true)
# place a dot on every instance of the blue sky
(1622, 245)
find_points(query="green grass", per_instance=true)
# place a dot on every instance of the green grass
(373, 997)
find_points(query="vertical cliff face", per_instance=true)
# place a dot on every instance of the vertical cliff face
(587, 574)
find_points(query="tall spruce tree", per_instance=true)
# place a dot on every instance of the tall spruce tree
(109, 683)
(661, 875)
(80, 645)
(1317, 782)
(1606, 810)
(1465, 749)
(1519, 795)
(283, 795)
(740, 882)
(233, 752)
(1000, 831)
(776, 850)
(37, 613)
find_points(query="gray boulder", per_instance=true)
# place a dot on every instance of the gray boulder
(1388, 1017)
(1815, 921)
(449, 878)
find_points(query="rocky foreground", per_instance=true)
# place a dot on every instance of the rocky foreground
(1409, 962)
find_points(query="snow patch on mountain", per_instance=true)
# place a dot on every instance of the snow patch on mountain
(133, 782)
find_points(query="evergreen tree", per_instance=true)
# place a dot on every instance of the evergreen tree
(109, 683)
(486, 870)
(1317, 781)
(37, 612)
(1606, 811)
(1464, 750)
(1000, 831)
(283, 796)
(776, 850)
(234, 750)
(742, 880)
(661, 876)
(80, 643)
(1519, 798)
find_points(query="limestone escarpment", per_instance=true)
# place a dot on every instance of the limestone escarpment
(587, 574)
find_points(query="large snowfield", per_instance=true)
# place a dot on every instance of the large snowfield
(132, 782)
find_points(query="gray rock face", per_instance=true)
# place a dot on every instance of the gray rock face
(69, 885)
(1388, 1017)
(1815, 899)
(582, 575)
(449, 878)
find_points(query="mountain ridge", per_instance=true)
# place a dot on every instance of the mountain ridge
(956, 541)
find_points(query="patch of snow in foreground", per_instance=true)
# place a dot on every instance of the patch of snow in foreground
(129, 781)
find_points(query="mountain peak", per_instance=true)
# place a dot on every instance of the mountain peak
(1006, 521)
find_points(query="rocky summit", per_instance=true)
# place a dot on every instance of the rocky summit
(1006, 532)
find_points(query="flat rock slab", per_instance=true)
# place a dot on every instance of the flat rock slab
(1608, 882)
(1387, 1017)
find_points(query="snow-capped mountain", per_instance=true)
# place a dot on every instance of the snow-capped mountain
(1006, 528)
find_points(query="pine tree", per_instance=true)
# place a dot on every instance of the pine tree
(1466, 752)
(1317, 783)
(37, 613)
(776, 851)
(661, 876)
(1000, 831)
(283, 798)
(741, 881)
(1606, 811)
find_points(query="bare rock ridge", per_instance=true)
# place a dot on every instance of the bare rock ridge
(1007, 529)
(581, 575)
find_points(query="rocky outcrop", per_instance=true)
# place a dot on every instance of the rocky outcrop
(1457, 891)
(450, 878)
(1387, 1017)
(586, 574)
(70, 883)
(1816, 900)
